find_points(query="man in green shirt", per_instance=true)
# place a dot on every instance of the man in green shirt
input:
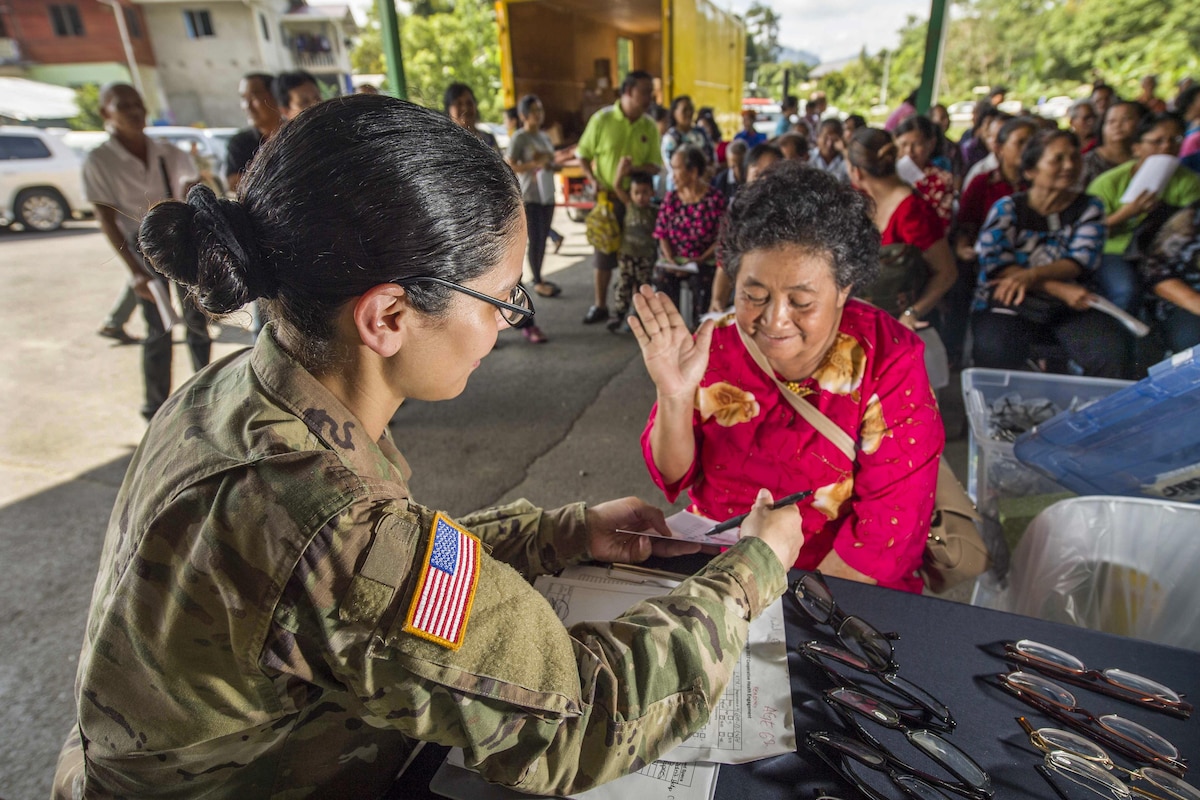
(615, 134)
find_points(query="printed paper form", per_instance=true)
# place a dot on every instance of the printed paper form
(752, 719)
(688, 527)
(662, 780)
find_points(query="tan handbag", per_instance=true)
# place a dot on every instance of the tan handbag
(954, 549)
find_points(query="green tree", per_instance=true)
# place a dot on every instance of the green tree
(762, 37)
(87, 98)
(454, 42)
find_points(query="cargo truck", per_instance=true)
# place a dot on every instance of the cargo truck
(573, 54)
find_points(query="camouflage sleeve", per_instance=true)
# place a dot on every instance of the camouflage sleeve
(534, 706)
(531, 540)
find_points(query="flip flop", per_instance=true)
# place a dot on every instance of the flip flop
(547, 289)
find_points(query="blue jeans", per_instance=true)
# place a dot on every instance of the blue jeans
(1117, 280)
(1181, 329)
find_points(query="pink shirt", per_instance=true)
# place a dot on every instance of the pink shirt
(875, 511)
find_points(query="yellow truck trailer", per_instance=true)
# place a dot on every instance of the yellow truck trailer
(573, 54)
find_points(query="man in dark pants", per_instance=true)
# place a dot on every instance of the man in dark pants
(122, 178)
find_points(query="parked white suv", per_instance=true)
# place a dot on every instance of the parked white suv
(41, 184)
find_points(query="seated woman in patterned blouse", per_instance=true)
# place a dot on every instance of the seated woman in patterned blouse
(688, 223)
(796, 244)
(1037, 252)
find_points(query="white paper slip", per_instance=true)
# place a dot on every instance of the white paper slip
(753, 717)
(1152, 176)
(908, 171)
(688, 527)
(661, 780)
(162, 301)
(1135, 325)
(691, 267)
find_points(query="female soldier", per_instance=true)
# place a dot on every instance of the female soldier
(274, 615)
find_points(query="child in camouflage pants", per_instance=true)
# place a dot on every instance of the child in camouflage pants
(639, 248)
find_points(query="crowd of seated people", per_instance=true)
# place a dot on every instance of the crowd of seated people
(1002, 245)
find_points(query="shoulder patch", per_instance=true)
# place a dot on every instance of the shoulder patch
(441, 602)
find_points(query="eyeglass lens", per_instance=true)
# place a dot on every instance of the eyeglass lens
(1063, 660)
(1056, 739)
(1087, 774)
(860, 637)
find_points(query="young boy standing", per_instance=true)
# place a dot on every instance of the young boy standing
(639, 248)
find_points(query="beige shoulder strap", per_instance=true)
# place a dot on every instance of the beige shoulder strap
(824, 425)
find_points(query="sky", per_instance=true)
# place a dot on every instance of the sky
(830, 29)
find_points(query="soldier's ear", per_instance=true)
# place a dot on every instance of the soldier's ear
(382, 315)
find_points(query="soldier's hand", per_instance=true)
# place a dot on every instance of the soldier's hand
(631, 514)
(779, 528)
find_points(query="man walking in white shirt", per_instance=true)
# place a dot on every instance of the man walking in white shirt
(122, 178)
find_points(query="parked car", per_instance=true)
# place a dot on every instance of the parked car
(963, 111)
(41, 183)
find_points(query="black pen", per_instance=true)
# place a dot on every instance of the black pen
(733, 522)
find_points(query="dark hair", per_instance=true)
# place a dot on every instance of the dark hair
(791, 101)
(357, 191)
(657, 112)
(795, 139)
(1012, 126)
(693, 157)
(832, 122)
(525, 105)
(265, 78)
(641, 179)
(705, 114)
(873, 151)
(919, 123)
(795, 205)
(632, 78)
(679, 101)
(510, 113)
(980, 114)
(1184, 100)
(859, 121)
(759, 150)
(1137, 107)
(286, 81)
(452, 93)
(1037, 144)
(1151, 121)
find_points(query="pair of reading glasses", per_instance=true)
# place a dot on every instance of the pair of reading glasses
(967, 777)
(1123, 736)
(915, 705)
(1116, 683)
(1086, 763)
(856, 634)
(518, 308)
(854, 761)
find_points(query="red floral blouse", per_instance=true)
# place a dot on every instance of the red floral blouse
(875, 511)
(937, 189)
(690, 228)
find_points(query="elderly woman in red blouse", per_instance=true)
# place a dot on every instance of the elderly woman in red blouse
(797, 243)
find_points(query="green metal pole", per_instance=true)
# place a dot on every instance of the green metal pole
(390, 33)
(935, 39)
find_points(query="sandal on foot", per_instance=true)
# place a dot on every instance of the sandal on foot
(534, 334)
(547, 289)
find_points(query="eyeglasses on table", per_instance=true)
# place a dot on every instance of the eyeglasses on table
(856, 634)
(855, 762)
(1088, 764)
(1126, 737)
(1116, 683)
(968, 778)
(915, 704)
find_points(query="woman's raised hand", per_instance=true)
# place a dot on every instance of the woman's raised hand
(675, 360)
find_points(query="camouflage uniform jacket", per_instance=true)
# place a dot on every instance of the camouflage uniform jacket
(245, 635)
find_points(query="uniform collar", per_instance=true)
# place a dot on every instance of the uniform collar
(332, 423)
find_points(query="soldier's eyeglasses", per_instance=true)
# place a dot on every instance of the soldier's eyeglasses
(1131, 740)
(1116, 683)
(914, 703)
(518, 308)
(1088, 764)
(856, 634)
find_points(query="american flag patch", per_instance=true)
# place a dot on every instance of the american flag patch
(443, 597)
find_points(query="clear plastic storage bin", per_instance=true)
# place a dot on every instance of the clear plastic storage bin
(993, 471)
(1141, 441)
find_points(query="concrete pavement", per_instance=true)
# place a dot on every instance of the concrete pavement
(555, 422)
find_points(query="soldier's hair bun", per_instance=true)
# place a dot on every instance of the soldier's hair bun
(209, 245)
